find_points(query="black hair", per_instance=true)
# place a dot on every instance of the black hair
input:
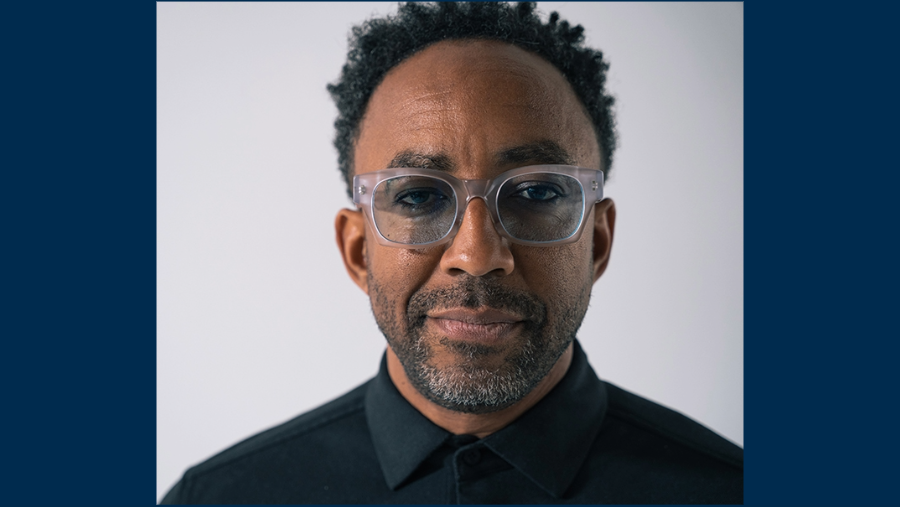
(378, 45)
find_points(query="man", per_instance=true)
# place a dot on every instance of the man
(475, 140)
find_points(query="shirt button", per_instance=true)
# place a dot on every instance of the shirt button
(472, 456)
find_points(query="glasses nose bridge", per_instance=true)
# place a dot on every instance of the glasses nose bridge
(476, 188)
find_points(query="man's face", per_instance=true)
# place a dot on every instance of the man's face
(479, 322)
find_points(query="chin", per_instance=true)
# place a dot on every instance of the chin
(475, 378)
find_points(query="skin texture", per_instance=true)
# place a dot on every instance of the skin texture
(468, 107)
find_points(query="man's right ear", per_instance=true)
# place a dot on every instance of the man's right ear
(350, 232)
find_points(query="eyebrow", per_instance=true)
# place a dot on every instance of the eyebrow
(421, 161)
(539, 152)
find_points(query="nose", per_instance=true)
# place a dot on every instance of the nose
(477, 248)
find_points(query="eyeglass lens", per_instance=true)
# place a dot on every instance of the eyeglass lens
(538, 207)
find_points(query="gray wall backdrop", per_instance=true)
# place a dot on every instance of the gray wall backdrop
(257, 320)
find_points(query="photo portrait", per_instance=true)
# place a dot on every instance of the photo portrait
(257, 318)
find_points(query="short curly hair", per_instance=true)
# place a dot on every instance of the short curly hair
(378, 45)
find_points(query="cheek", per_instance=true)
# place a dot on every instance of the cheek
(400, 272)
(558, 275)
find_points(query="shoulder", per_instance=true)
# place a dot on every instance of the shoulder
(666, 424)
(300, 447)
(647, 453)
(310, 424)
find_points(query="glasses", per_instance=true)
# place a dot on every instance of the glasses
(539, 205)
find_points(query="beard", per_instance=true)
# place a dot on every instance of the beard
(479, 378)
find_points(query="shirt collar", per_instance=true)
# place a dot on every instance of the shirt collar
(402, 436)
(547, 444)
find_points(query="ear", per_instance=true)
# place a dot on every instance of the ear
(350, 233)
(604, 226)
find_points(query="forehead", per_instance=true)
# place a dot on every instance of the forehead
(466, 103)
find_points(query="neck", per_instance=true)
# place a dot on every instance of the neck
(480, 425)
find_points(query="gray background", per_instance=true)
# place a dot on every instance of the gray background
(257, 320)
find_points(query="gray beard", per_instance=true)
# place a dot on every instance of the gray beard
(467, 386)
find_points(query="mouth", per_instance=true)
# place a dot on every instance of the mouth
(483, 325)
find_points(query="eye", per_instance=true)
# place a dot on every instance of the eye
(419, 196)
(537, 191)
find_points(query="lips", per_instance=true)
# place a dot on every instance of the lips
(481, 325)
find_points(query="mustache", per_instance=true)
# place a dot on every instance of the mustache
(476, 293)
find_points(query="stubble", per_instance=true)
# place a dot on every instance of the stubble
(474, 381)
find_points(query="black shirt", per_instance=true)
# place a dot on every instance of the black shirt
(585, 442)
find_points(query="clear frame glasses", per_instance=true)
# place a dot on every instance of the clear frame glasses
(540, 205)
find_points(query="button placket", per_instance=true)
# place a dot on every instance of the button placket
(472, 456)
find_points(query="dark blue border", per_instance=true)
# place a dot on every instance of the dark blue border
(820, 102)
(79, 201)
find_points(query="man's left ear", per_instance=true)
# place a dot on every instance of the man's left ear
(604, 226)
